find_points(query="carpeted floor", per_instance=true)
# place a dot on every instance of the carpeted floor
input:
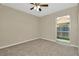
(39, 47)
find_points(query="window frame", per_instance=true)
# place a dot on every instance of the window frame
(61, 40)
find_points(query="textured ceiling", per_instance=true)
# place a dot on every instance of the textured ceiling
(52, 7)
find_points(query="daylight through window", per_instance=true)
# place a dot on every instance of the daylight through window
(63, 27)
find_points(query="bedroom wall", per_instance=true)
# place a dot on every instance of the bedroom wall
(48, 27)
(16, 26)
(78, 29)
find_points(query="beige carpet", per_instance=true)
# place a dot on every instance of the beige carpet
(39, 48)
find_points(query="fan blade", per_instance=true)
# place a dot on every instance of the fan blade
(32, 3)
(31, 8)
(39, 9)
(44, 5)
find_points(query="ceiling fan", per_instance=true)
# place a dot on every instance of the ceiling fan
(37, 6)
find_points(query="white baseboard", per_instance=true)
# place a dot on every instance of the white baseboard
(66, 44)
(49, 39)
(36, 39)
(17, 43)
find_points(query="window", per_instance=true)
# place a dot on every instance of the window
(63, 27)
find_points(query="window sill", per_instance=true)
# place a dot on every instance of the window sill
(63, 41)
(66, 42)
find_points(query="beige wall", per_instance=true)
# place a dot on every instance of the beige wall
(16, 26)
(48, 27)
(78, 28)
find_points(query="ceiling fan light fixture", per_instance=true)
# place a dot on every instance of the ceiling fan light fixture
(35, 7)
(38, 6)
